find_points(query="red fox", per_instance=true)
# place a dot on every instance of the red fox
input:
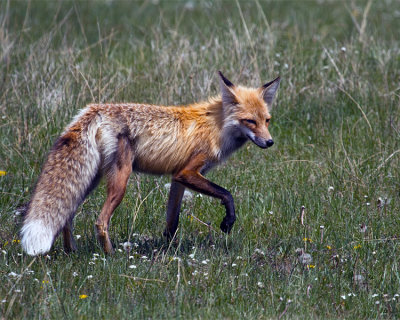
(111, 140)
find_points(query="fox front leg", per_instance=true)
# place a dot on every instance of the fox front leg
(173, 208)
(190, 177)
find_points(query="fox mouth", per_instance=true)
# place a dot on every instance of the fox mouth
(260, 142)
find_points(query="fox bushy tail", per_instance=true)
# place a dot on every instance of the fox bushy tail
(67, 176)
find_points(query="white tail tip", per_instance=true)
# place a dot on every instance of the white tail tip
(37, 238)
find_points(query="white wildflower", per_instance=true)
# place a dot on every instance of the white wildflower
(363, 228)
(127, 246)
(13, 275)
(189, 5)
(358, 278)
(187, 195)
(305, 258)
(259, 251)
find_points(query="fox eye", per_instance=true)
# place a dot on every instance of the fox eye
(250, 121)
(267, 121)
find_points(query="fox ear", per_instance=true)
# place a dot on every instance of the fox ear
(228, 97)
(269, 89)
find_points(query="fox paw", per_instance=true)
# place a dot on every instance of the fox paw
(168, 234)
(227, 224)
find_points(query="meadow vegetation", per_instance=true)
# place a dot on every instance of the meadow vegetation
(336, 127)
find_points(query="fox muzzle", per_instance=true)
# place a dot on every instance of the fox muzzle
(263, 143)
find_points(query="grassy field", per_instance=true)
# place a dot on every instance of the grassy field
(336, 127)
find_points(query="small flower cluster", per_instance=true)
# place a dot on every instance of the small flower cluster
(96, 257)
(386, 297)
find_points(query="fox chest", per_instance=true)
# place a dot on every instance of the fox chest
(228, 146)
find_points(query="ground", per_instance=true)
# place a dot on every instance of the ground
(336, 127)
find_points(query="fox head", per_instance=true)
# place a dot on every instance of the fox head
(247, 109)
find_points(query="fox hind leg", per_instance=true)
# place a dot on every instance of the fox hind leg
(69, 242)
(117, 178)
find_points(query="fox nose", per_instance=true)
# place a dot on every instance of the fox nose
(270, 142)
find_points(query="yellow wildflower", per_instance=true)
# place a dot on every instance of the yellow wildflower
(83, 296)
(307, 240)
(2, 173)
(329, 247)
(358, 246)
(311, 266)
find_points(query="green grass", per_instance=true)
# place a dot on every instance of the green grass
(336, 124)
